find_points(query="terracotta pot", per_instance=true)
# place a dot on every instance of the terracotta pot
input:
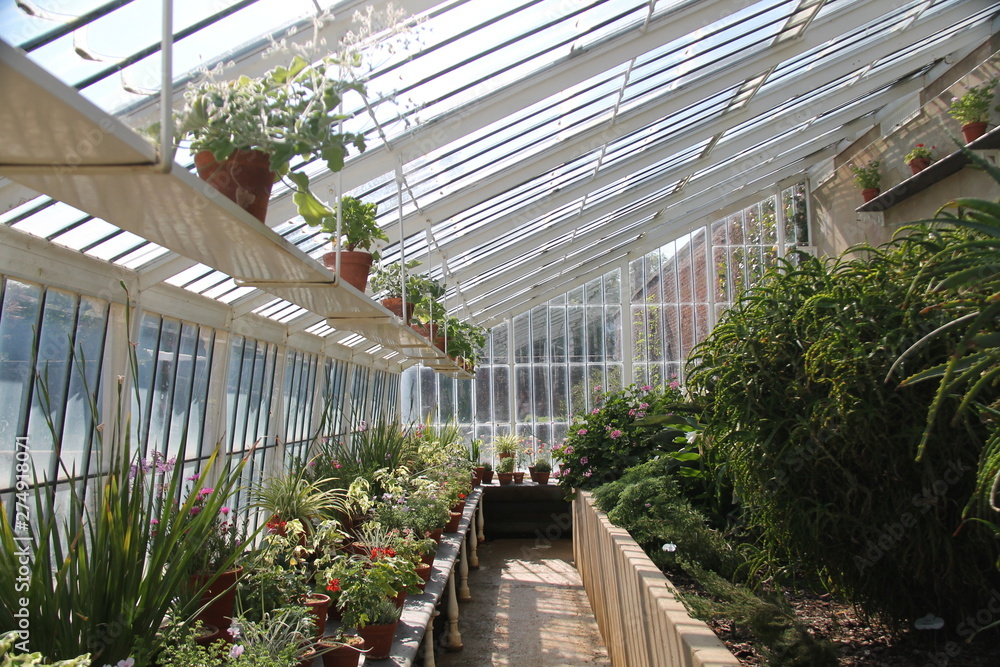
(428, 559)
(487, 477)
(208, 635)
(428, 330)
(378, 639)
(222, 592)
(355, 265)
(436, 534)
(505, 478)
(245, 177)
(540, 477)
(453, 522)
(395, 306)
(424, 571)
(342, 656)
(399, 600)
(306, 660)
(869, 194)
(459, 506)
(972, 131)
(918, 164)
(519, 477)
(319, 605)
(439, 342)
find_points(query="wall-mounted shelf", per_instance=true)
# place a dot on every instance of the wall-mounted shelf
(59, 143)
(937, 171)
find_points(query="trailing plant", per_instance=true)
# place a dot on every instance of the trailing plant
(821, 449)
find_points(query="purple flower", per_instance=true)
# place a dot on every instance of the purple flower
(616, 434)
(582, 431)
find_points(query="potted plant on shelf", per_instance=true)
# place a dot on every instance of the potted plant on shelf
(359, 232)
(543, 468)
(507, 446)
(919, 158)
(867, 178)
(341, 650)
(463, 340)
(487, 472)
(245, 133)
(972, 109)
(387, 284)
(429, 313)
(505, 470)
(290, 496)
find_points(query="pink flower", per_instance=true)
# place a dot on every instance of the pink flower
(195, 510)
(631, 413)
(616, 434)
(643, 406)
(224, 510)
(154, 522)
(595, 411)
(582, 431)
(193, 478)
(646, 387)
(598, 388)
(583, 460)
(587, 474)
(206, 491)
(674, 384)
(236, 651)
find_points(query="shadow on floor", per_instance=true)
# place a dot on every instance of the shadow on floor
(528, 607)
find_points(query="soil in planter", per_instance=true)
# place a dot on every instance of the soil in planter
(858, 642)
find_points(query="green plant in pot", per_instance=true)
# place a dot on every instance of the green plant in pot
(290, 496)
(387, 283)
(430, 313)
(245, 133)
(463, 340)
(505, 470)
(868, 178)
(359, 234)
(972, 109)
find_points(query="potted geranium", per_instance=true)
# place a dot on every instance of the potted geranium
(245, 133)
(868, 178)
(919, 158)
(359, 232)
(972, 109)
(387, 284)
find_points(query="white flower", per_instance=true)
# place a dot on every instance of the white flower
(669, 546)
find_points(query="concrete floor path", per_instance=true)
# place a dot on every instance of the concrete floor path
(528, 607)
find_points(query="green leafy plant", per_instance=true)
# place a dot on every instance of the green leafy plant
(387, 283)
(973, 106)
(506, 465)
(867, 176)
(543, 465)
(920, 152)
(507, 445)
(288, 112)
(9, 642)
(359, 229)
(821, 449)
(360, 585)
(292, 495)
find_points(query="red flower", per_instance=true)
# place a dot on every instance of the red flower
(333, 586)
(276, 526)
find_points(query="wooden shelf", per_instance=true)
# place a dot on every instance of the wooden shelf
(59, 143)
(937, 171)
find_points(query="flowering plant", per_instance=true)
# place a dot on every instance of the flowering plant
(866, 176)
(359, 584)
(225, 542)
(974, 105)
(602, 443)
(919, 152)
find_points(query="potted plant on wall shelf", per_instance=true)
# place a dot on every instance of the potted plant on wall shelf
(387, 284)
(919, 158)
(359, 232)
(868, 179)
(245, 133)
(972, 109)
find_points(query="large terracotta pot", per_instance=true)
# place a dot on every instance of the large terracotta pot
(245, 177)
(395, 306)
(319, 606)
(355, 265)
(540, 477)
(972, 131)
(222, 592)
(378, 639)
(869, 194)
(918, 164)
(342, 656)
(487, 477)
(505, 478)
(424, 571)
(453, 522)
(436, 534)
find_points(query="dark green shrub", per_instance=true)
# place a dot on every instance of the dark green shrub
(822, 450)
(647, 502)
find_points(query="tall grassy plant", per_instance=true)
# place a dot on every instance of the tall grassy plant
(102, 575)
(821, 449)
